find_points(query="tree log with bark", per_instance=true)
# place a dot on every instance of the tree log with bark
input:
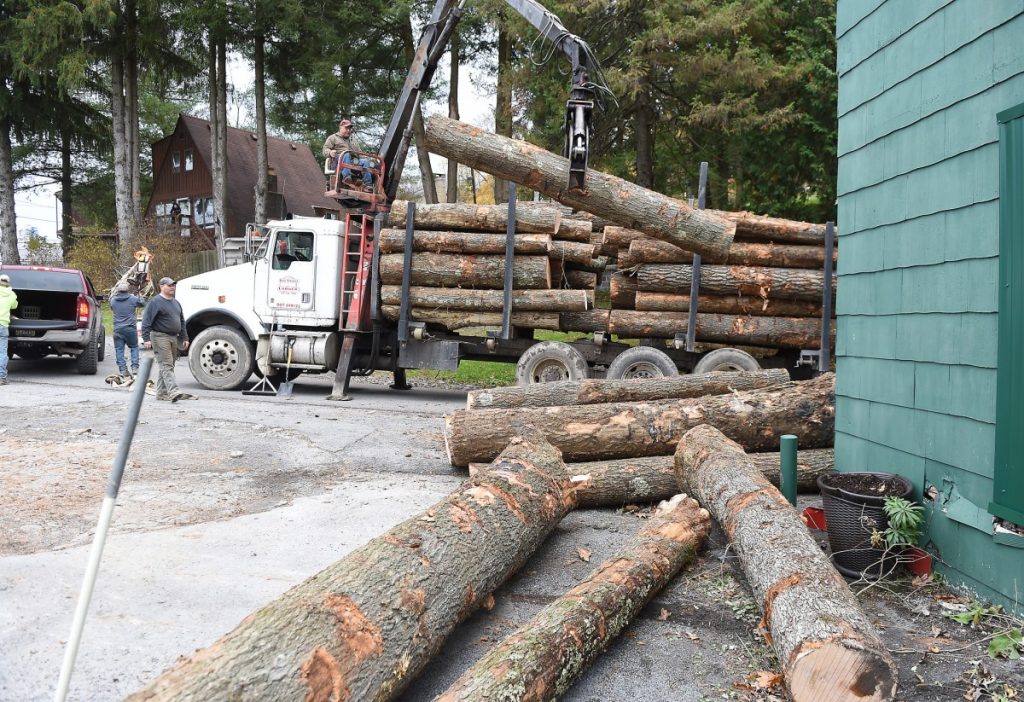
(725, 304)
(648, 250)
(467, 319)
(618, 200)
(622, 291)
(476, 218)
(772, 332)
(593, 392)
(764, 228)
(452, 271)
(543, 658)
(364, 627)
(627, 481)
(393, 241)
(828, 648)
(489, 300)
(772, 283)
(756, 418)
(564, 277)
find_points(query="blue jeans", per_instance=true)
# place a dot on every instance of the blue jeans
(4, 334)
(123, 336)
(365, 163)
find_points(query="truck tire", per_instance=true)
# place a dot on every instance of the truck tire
(101, 345)
(221, 358)
(726, 360)
(87, 360)
(641, 362)
(550, 361)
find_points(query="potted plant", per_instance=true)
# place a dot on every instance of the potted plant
(865, 537)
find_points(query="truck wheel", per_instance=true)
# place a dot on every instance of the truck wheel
(87, 360)
(549, 362)
(101, 345)
(726, 360)
(220, 358)
(641, 362)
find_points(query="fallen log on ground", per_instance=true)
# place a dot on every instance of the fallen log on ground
(772, 283)
(452, 271)
(755, 418)
(647, 301)
(827, 646)
(490, 300)
(648, 250)
(362, 628)
(543, 658)
(467, 319)
(649, 479)
(451, 242)
(488, 218)
(773, 332)
(592, 392)
(631, 205)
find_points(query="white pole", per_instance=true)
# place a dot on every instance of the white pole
(106, 512)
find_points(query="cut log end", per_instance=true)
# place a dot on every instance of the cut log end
(840, 670)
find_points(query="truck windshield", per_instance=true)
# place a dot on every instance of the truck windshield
(57, 281)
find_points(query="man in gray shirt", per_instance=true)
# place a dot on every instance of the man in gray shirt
(341, 144)
(123, 305)
(163, 330)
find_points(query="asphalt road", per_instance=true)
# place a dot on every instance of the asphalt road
(230, 500)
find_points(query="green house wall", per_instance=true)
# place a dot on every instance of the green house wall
(920, 84)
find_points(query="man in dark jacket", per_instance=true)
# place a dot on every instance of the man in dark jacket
(123, 304)
(163, 330)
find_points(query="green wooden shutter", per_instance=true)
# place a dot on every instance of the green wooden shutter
(1008, 488)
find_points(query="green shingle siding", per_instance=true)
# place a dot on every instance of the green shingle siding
(972, 232)
(880, 28)
(971, 69)
(848, 14)
(919, 241)
(879, 380)
(869, 337)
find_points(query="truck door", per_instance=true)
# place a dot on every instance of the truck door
(291, 275)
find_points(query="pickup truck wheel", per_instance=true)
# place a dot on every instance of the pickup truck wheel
(101, 345)
(641, 362)
(550, 362)
(726, 360)
(87, 360)
(221, 358)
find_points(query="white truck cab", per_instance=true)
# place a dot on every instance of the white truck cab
(248, 317)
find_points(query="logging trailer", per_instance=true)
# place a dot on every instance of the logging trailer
(307, 299)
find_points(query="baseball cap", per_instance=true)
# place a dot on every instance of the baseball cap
(345, 123)
(123, 287)
(5, 279)
(167, 281)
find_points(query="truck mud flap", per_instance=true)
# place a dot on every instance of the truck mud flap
(431, 353)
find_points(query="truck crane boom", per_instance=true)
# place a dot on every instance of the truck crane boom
(579, 107)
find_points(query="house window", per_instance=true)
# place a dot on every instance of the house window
(188, 159)
(1008, 473)
(200, 212)
(176, 162)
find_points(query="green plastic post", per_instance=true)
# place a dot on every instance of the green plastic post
(787, 472)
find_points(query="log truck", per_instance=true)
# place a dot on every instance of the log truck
(308, 298)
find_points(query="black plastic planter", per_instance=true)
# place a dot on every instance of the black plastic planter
(851, 518)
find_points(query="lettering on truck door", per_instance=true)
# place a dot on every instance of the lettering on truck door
(292, 272)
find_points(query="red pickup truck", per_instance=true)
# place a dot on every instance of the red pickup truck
(58, 313)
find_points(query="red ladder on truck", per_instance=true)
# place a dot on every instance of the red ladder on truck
(354, 319)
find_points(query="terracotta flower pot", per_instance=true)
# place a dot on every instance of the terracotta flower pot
(853, 516)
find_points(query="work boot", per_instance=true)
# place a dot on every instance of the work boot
(3, 381)
(349, 184)
(135, 371)
(122, 372)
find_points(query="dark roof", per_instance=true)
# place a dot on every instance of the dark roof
(300, 176)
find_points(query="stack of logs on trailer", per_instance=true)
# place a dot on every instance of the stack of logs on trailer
(767, 291)
(458, 265)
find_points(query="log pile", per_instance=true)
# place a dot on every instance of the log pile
(458, 265)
